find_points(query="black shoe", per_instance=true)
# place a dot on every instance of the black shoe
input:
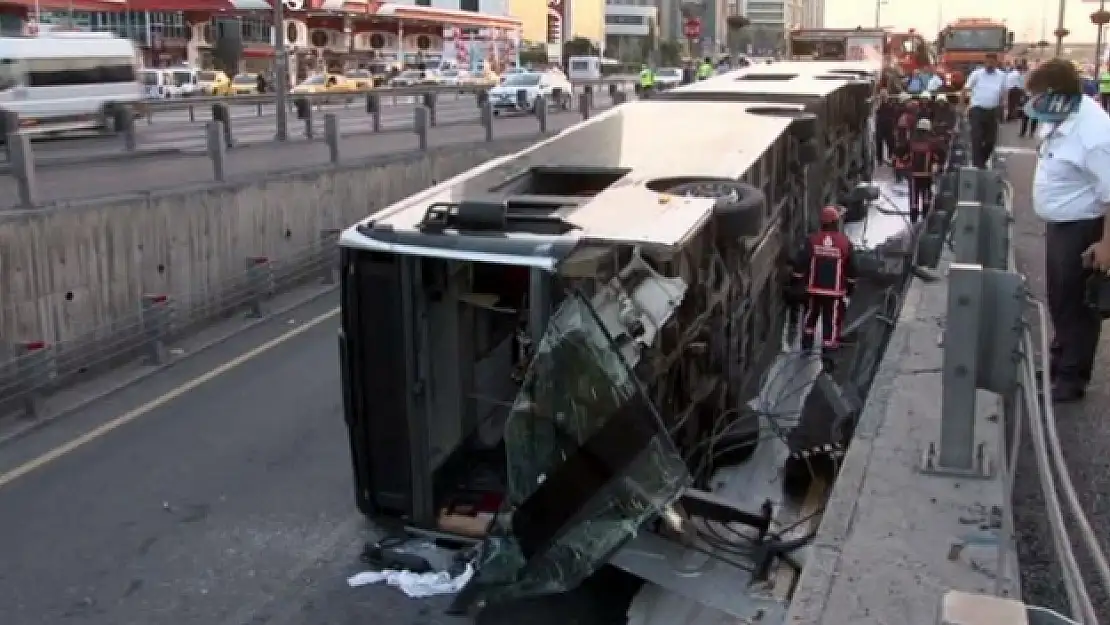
(1067, 392)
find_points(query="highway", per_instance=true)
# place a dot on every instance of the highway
(218, 493)
(256, 153)
(172, 130)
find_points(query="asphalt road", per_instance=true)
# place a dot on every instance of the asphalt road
(173, 130)
(1084, 428)
(227, 504)
(104, 177)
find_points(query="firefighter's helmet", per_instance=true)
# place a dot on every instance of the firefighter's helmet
(924, 124)
(830, 215)
(942, 98)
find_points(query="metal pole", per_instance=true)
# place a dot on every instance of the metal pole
(281, 73)
(878, 12)
(1098, 42)
(1060, 29)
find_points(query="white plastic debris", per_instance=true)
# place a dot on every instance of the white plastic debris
(415, 585)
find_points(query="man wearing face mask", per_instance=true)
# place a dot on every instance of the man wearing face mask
(987, 87)
(1071, 193)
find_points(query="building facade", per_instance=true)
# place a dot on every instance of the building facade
(630, 31)
(771, 20)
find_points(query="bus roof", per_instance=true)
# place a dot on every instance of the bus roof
(628, 150)
(793, 79)
(68, 45)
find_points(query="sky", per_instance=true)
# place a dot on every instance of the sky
(1025, 17)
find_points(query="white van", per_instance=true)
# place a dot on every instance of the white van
(183, 81)
(581, 68)
(67, 81)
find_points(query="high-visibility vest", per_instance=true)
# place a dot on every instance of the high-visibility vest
(705, 70)
(647, 78)
(1104, 82)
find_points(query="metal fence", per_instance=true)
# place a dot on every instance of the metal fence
(38, 368)
(996, 338)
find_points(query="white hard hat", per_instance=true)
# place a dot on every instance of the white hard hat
(924, 124)
(942, 97)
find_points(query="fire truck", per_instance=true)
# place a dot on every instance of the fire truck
(905, 51)
(964, 44)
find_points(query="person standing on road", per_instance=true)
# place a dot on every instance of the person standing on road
(705, 70)
(1071, 193)
(1015, 89)
(986, 86)
(1104, 88)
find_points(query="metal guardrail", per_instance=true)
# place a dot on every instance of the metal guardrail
(268, 99)
(996, 339)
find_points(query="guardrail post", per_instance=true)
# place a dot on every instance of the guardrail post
(374, 108)
(259, 110)
(430, 104)
(329, 238)
(156, 321)
(487, 119)
(982, 333)
(10, 121)
(590, 94)
(126, 120)
(584, 104)
(480, 98)
(541, 113)
(259, 281)
(33, 366)
(22, 159)
(420, 125)
(214, 140)
(613, 90)
(222, 113)
(192, 113)
(331, 136)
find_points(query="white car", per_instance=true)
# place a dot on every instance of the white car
(454, 77)
(668, 77)
(409, 78)
(520, 92)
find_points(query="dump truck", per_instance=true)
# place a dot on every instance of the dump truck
(964, 45)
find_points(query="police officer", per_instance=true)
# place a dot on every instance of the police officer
(826, 267)
(647, 81)
(1104, 88)
(705, 70)
(1071, 193)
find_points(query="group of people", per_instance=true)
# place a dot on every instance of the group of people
(912, 135)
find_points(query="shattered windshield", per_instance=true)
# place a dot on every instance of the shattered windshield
(588, 462)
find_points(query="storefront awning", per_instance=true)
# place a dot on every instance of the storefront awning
(465, 19)
(194, 6)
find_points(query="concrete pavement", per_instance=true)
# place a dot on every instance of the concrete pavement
(227, 504)
(113, 178)
(1084, 427)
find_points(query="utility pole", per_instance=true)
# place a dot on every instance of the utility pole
(1060, 29)
(281, 72)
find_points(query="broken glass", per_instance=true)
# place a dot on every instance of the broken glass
(588, 463)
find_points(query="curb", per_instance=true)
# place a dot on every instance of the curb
(37, 424)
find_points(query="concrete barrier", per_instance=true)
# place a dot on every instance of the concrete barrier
(77, 267)
(893, 540)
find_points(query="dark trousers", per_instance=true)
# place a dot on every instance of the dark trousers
(1013, 103)
(884, 144)
(1028, 126)
(1076, 326)
(1104, 98)
(830, 310)
(984, 134)
(921, 196)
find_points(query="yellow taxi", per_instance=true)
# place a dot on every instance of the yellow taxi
(244, 84)
(325, 83)
(212, 82)
(360, 79)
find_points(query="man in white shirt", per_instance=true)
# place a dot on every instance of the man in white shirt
(986, 86)
(936, 84)
(1071, 192)
(1015, 89)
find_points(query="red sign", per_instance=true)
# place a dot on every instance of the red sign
(691, 28)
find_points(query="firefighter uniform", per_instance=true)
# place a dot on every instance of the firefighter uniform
(826, 267)
(922, 155)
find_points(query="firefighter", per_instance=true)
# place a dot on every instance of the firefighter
(826, 268)
(923, 159)
(907, 118)
(944, 123)
(924, 105)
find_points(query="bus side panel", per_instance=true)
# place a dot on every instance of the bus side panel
(375, 381)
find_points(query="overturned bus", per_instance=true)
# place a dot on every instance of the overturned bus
(554, 353)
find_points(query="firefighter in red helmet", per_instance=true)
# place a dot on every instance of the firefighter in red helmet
(826, 267)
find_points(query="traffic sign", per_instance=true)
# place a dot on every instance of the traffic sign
(692, 28)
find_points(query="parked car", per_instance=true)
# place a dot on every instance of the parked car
(244, 84)
(668, 77)
(409, 78)
(327, 83)
(361, 79)
(520, 92)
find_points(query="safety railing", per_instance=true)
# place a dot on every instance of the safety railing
(38, 368)
(996, 339)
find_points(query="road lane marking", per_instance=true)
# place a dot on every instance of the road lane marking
(158, 402)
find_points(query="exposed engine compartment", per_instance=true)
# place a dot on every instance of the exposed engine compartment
(553, 356)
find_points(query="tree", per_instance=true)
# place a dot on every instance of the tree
(579, 46)
(533, 54)
(670, 53)
(227, 51)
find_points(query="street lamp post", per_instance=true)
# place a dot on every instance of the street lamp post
(1099, 18)
(281, 72)
(1060, 31)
